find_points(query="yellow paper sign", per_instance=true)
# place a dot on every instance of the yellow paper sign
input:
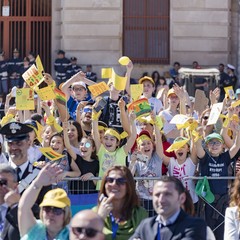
(98, 88)
(25, 99)
(50, 153)
(32, 77)
(106, 72)
(45, 93)
(215, 113)
(124, 60)
(177, 145)
(229, 92)
(235, 104)
(39, 65)
(136, 91)
(118, 82)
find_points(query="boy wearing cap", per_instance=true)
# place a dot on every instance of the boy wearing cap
(148, 90)
(214, 162)
(79, 92)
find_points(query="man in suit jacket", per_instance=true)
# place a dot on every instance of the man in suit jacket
(171, 222)
(17, 138)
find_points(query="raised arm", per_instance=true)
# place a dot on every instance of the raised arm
(199, 149)
(80, 76)
(67, 142)
(159, 146)
(48, 175)
(132, 138)
(124, 117)
(96, 136)
(128, 76)
(235, 148)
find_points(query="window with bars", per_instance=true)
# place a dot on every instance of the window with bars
(146, 27)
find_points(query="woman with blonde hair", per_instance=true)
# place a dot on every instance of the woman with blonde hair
(55, 212)
(232, 214)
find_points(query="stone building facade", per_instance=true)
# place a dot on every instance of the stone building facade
(203, 30)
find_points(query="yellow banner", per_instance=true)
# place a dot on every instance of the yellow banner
(98, 88)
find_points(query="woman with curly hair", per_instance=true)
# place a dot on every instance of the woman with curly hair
(232, 214)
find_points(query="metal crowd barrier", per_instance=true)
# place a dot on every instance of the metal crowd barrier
(83, 196)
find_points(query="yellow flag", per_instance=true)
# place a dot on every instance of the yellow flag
(24, 99)
(98, 88)
(229, 92)
(39, 65)
(177, 145)
(106, 72)
(45, 93)
(50, 153)
(136, 91)
(118, 82)
(235, 104)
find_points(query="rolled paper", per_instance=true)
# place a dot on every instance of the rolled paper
(124, 60)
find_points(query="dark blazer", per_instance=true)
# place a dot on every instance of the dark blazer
(185, 227)
(10, 229)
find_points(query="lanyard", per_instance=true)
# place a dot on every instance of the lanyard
(114, 227)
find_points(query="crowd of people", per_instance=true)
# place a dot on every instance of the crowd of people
(104, 143)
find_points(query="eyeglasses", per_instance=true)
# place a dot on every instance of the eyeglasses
(78, 89)
(205, 117)
(3, 182)
(55, 210)
(212, 143)
(88, 232)
(119, 181)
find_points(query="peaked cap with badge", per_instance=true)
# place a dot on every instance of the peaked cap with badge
(15, 131)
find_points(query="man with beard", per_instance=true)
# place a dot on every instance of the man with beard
(17, 138)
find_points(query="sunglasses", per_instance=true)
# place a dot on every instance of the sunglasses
(205, 117)
(119, 181)
(55, 210)
(212, 143)
(87, 110)
(3, 182)
(88, 232)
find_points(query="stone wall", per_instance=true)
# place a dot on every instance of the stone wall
(202, 30)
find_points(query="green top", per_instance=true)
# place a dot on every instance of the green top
(127, 228)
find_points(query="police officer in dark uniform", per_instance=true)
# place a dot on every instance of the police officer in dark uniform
(89, 74)
(14, 66)
(3, 74)
(74, 68)
(17, 138)
(61, 65)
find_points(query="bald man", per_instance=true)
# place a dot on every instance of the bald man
(85, 225)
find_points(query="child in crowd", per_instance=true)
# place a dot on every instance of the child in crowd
(109, 151)
(214, 162)
(146, 162)
(60, 143)
(148, 90)
(88, 164)
(184, 164)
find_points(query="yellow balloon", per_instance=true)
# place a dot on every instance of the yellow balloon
(124, 60)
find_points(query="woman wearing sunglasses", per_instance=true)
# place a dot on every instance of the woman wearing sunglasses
(55, 212)
(118, 204)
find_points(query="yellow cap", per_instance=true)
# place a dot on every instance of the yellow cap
(56, 198)
(146, 78)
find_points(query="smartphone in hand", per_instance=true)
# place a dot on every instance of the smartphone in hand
(101, 105)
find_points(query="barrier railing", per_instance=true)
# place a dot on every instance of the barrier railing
(84, 195)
